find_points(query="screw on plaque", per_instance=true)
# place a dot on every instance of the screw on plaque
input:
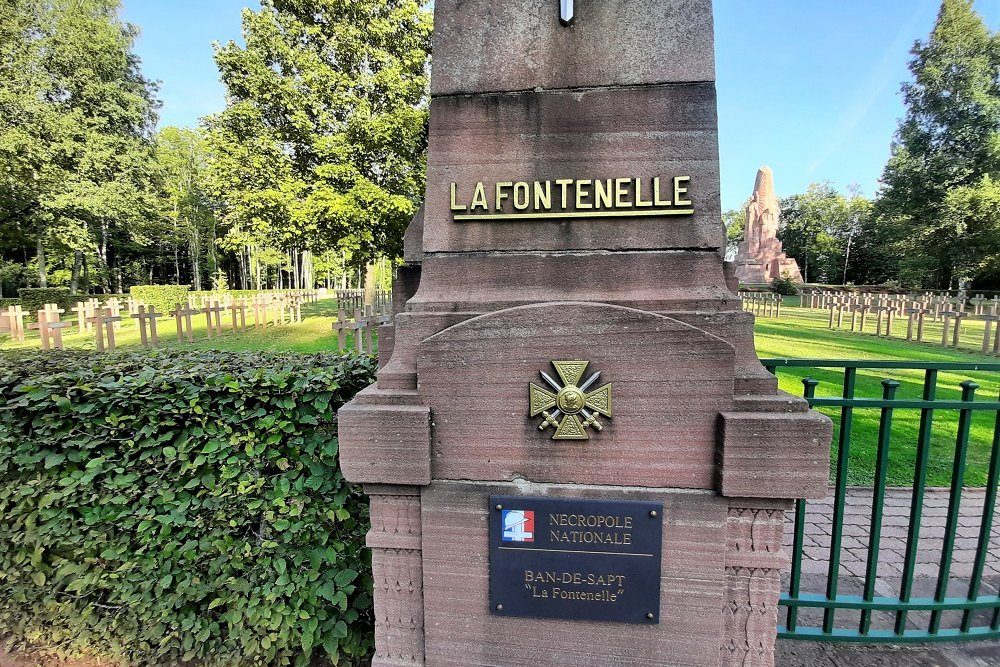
(650, 616)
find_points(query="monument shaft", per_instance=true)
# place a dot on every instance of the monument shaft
(565, 278)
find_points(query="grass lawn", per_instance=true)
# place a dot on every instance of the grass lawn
(799, 333)
(803, 333)
(313, 334)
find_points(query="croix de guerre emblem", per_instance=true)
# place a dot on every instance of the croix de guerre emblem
(572, 409)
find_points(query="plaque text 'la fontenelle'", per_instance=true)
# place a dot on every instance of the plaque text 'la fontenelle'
(572, 198)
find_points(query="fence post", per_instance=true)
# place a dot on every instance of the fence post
(917, 498)
(985, 526)
(889, 388)
(954, 502)
(795, 576)
(840, 494)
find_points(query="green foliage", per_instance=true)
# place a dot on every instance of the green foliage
(322, 142)
(34, 299)
(75, 129)
(832, 237)
(734, 222)
(164, 297)
(163, 508)
(182, 155)
(784, 285)
(948, 142)
(9, 302)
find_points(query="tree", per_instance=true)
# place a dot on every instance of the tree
(973, 213)
(810, 231)
(948, 142)
(76, 117)
(831, 236)
(322, 142)
(182, 155)
(734, 222)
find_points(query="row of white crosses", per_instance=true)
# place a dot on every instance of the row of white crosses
(227, 300)
(762, 304)
(935, 304)
(364, 325)
(353, 299)
(273, 309)
(887, 307)
(12, 323)
(104, 320)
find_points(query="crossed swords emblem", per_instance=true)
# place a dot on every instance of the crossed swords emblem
(576, 409)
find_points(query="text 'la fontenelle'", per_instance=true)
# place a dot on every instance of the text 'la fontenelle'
(572, 198)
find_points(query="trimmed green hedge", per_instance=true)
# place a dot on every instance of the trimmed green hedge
(164, 297)
(34, 299)
(181, 507)
(9, 302)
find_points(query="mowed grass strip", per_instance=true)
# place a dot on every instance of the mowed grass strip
(804, 334)
(313, 334)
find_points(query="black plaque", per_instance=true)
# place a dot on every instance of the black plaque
(575, 558)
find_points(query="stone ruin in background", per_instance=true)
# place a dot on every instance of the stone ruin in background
(760, 258)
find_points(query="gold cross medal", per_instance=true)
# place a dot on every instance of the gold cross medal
(575, 409)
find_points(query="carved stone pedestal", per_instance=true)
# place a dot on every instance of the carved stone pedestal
(397, 568)
(550, 239)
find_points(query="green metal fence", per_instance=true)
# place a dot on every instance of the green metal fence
(889, 609)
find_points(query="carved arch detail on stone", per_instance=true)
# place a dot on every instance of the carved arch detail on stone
(670, 379)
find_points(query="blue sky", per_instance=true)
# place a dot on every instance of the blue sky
(809, 87)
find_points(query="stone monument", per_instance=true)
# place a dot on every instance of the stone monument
(572, 452)
(760, 258)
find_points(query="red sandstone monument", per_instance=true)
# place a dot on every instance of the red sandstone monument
(760, 258)
(573, 455)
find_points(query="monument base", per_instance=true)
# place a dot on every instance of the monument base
(720, 578)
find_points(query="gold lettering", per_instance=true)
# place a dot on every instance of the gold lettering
(621, 192)
(501, 195)
(603, 194)
(455, 206)
(564, 183)
(638, 194)
(582, 193)
(479, 197)
(543, 198)
(522, 197)
(678, 190)
(657, 200)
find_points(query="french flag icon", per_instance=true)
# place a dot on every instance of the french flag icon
(518, 526)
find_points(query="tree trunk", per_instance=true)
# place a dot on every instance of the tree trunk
(257, 267)
(177, 261)
(370, 285)
(103, 256)
(40, 249)
(195, 260)
(847, 256)
(74, 283)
